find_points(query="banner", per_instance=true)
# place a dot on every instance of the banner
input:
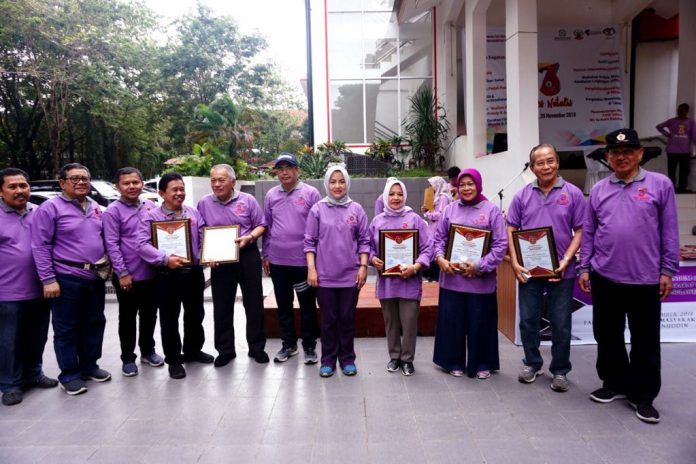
(677, 322)
(580, 85)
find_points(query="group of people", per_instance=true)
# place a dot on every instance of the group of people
(320, 248)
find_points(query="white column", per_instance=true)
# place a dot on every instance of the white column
(475, 56)
(521, 66)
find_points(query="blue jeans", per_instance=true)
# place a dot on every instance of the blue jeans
(78, 326)
(23, 333)
(560, 303)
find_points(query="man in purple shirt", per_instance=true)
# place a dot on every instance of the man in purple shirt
(286, 207)
(549, 201)
(24, 314)
(68, 246)
(224, 207)
(134, 278)
(178, 281)
(680, 133)
(629, 253)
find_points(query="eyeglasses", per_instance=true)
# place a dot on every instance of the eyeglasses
(78, 180)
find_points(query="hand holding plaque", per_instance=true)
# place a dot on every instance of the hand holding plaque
(173, 238)
(536, 251)
(466, 245)
(398, 249)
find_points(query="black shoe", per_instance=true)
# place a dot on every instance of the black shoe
(98, 375)
(224, 359)
(177, 371)
(74, 387)
(604, 395)
(200, 357)
(407, 368)
(41, 382)
(12, 397)
(646, 412)
(393, 365)
(259, 356)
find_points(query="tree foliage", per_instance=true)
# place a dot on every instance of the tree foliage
(426, 128)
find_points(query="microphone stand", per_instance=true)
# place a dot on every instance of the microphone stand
(500, 194)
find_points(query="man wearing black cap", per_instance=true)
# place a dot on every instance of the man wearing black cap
(629, 253)
(286, 207)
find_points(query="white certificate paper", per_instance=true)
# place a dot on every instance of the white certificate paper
(399, 250)
(220, 244)
(467, 245)
(172, 237)
(536, 251)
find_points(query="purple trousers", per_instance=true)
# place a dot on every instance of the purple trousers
(337, 310)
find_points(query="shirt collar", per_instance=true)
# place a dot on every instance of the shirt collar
(168, 212)
(8, 209)
(478, 205)
(298, 186)
(558, 184)
(235, 195)
(129, 204)
(75, 202)
(640, 176)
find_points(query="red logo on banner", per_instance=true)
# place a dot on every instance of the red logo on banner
(551, 84)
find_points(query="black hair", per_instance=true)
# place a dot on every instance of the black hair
(12, 172)
(167, 178)
(125, 171)
(63, 174)
(453, 172)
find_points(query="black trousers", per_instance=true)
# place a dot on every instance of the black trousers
(287, 280)
(638, 374)
(175, 288)
(224, 280)
(138, 303)
(683, 161)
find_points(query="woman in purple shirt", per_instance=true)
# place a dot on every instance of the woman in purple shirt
(336, 245)
(400, 295)
(468, 312)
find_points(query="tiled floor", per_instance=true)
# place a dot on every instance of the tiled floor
(286, 413)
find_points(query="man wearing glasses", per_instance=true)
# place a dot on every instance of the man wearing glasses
(549, 201)
(630, 252)
(286, 207)
(67, 244)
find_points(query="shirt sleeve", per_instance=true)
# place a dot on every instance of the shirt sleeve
(425, 253)
(112, 240)
(268, 235)
(669, 261)
(311, 235)
(363, 234)
(662, 128)
(147, 251)
(589, 227)
(499, 242)
(43, 231)
(441, 234)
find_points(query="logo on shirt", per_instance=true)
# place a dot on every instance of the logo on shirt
(404, 225)
(300, 201)
(482, 219)
(351, 220)
(642, 194)
(563, 199)
(240, 208)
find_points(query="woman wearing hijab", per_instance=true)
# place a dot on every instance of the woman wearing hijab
(441, 199)
(400, 295)
(337, 245)
(468, 312)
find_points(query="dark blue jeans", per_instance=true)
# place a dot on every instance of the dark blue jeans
(78, 326)
(560, 301)
(285, 278)
(23, 332)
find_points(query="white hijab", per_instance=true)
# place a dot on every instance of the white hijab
(385, 197)
(345, 199)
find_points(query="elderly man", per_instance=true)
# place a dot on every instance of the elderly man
(227, 206)
(134, 278)
(630, 251)
(24, 314)
(549, 201)
(67, 244)
(286, 207)
(178, 281)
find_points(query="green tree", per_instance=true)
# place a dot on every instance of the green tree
(426, 128)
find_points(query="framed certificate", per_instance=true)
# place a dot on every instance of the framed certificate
(398, 248)
(466, 244)
(173, 237)
(220, 244)
(536, 251)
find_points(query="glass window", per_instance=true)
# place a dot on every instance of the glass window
(344, 5)
(345, 45)
(347, 121)
(378, 5)
(382, 113)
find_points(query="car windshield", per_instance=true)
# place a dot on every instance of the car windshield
(105, 189)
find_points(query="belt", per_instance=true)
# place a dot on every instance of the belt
(83, 266)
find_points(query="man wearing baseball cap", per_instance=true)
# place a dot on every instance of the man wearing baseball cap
(286, 207)
(629, 253)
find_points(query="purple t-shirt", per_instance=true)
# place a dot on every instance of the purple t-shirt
(379, 206)
(563, 209)
(242, 209)
(156, 257)
(122, 222)
(62, 230)
(484, 215)
(286, 216)
(396, 287)
(433, 216)
(630, 234)
(337, 235)
(680, 134)
(19, 280)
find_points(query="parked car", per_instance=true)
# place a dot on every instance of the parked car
(39, 197)
(102, 191)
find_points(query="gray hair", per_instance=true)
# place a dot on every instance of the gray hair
(539, 147)
(226, 167)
